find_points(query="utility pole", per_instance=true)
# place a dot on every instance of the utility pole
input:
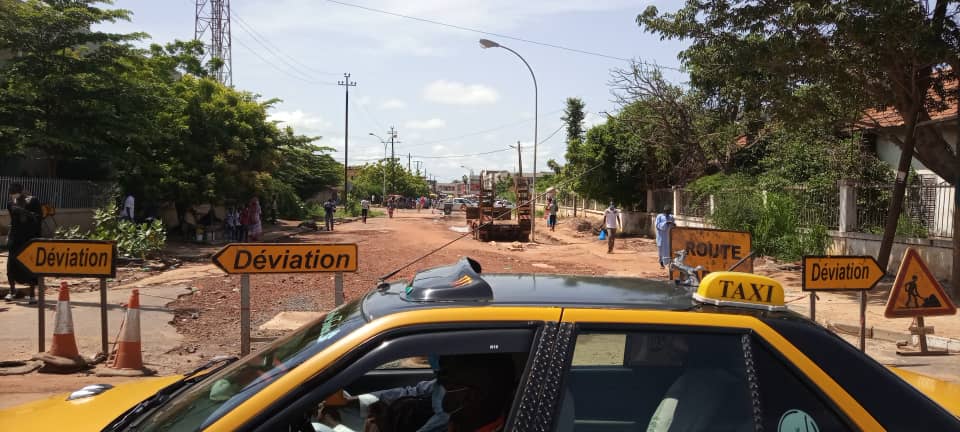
(418, 165)
(346, 83)
(408, 164)
(393, 158)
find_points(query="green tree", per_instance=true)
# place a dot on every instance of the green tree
(370, 180)
(62, 91)
(888, 53)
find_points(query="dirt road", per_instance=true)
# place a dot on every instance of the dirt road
(208, 320)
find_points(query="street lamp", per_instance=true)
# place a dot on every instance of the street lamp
(486, 43)
(384, 196)
(469, 179)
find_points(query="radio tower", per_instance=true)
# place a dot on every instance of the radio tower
(213, 17)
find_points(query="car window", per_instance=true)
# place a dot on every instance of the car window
(464, 376)
(214, 396)
(656, 381)
(789, 402)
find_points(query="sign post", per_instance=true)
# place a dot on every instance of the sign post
(841, 273)
(263, 258)
(715, 250)
(916, 293)
(70, 258)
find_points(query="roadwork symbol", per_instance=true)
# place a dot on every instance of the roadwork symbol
(916, 292)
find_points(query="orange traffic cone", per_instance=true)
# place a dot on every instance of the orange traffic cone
(64, 343)
(63, 355)
(128, 346)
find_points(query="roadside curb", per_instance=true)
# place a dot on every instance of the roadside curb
(937, 342)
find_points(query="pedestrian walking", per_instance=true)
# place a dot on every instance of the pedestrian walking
(329, 207)
(256, 226)
(611, 220)
(554, 209)
(391, 204)
(26, 219)
(364, 209)
(126, 213)
(664, 223)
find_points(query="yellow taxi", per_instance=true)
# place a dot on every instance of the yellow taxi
(455, 349)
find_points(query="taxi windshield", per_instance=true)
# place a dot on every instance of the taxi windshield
(208, 400)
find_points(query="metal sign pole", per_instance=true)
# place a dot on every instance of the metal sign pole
(244, 314)
(41, 319)
(338, 289)
(813, 307)
(103, 317)
(863, 321)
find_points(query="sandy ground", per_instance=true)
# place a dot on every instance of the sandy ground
(208, 320)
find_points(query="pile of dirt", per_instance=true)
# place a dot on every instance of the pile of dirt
(210, 317)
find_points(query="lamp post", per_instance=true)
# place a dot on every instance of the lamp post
(384, 142)
(469, 188)
(486, 43)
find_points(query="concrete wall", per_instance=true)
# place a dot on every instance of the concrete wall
(64, 218)
(938, 254)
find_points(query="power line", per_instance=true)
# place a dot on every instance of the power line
(445, 156)
(284, 71)
(254, 33)
(481, 132)
(499, 35)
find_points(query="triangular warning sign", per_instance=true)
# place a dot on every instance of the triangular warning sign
(916, 292)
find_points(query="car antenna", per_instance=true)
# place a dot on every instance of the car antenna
(382, 282)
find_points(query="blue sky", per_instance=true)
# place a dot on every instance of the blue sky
(448, 98)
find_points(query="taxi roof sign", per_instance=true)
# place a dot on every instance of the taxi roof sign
(74, 258)
(742, 290)
(916, 292)
(252, 258)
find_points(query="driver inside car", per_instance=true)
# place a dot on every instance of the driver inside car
(472, 393)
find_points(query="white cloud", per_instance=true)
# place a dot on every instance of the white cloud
(393, 104)
(457, 93)
(433, 123)
(593, 119)
(300, 121)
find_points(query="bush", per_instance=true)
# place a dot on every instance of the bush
(134, 240)
(772, 224)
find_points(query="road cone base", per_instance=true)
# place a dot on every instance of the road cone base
(57, 364)
(128, 356)
(104, 371)
(19, 367)
(64, 346)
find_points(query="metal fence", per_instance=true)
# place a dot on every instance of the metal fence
(927, 209)
(693, 203)
(63, 194)
(816, 205)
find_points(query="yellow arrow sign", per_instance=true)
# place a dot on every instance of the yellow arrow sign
(840, 273)
(78, 258)
(239, 258)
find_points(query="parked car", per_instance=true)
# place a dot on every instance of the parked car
(462, 203)
(546, 352)
(503, 204)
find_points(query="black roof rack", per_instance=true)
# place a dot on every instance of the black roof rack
(460, 282)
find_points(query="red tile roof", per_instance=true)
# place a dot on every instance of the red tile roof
(876, 119)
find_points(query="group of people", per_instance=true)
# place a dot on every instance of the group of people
(246, 223)
(664, 223)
